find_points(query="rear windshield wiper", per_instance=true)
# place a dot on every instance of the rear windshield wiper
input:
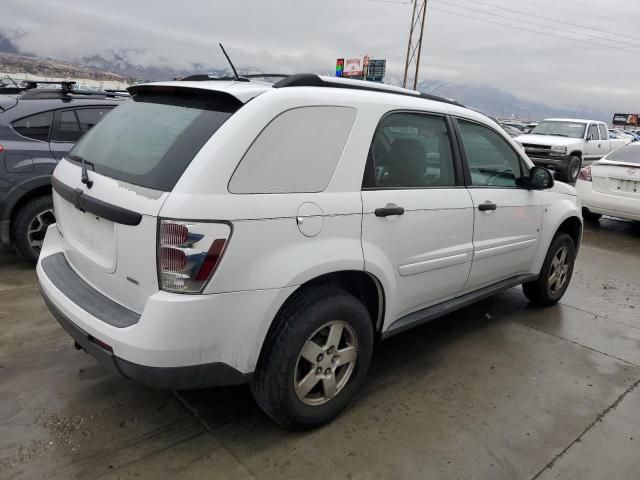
(85, 175)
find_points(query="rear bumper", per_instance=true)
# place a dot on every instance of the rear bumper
(173, 378)
(179, 341)
(607, 204)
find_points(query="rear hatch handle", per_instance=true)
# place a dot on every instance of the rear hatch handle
(86, 203)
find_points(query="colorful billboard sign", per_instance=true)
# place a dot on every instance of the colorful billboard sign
(626, 119)
(353, 67)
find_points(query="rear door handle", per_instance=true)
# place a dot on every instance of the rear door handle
(390, 209)
(488, 205)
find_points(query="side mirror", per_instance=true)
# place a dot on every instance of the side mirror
(540, 178)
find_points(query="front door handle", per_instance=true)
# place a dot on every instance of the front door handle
(486, 206)
(390, 209)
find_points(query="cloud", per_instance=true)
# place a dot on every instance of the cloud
(300, 35)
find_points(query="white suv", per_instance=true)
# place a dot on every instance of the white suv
(222, 232)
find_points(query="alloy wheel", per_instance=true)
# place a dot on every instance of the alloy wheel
(38, 228)
(559, 270)
(325, 363)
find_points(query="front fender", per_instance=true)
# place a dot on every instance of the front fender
(557, 208)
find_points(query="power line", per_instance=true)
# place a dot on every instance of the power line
(542, 25)
(520, 28)
(564, 22)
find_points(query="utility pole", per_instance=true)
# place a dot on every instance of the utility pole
(414, 46)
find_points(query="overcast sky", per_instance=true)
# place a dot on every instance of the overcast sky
(460, 44)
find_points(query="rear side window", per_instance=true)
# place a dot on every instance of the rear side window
(604, 134)
(73, 124)
(410, 150)
(296, 153)
(36, 126)
(152, 138)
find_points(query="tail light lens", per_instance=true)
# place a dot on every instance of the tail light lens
(585, 174)
(189, 253)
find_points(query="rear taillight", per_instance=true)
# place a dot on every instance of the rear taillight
(585, 174)
(1, 148)
(189, 253)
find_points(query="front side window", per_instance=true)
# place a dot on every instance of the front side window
(592, 133)
(410, 150)
(492, 161)
(297, 152)
(36, 126)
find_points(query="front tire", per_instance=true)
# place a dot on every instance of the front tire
(554, 278)
(31, 225)
(571, 172)
(315, 359)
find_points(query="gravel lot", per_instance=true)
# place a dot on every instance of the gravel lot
(496, 391)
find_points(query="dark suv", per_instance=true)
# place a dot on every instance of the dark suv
(37, 128)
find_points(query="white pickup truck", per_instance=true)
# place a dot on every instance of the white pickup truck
(563, 144)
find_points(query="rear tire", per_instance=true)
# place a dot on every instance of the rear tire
(304, 329)
(30, 227)
(554, 278)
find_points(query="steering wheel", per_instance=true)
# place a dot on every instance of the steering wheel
(503, 173)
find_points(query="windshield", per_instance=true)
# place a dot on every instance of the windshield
(627, 154)
(151, 139)
(560, 129)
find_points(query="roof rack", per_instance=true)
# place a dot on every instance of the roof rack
(42, 94)
(313, 80)
(65, 85)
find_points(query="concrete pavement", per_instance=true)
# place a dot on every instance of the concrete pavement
(495, 391)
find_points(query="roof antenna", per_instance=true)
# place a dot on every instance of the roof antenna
(235, 73)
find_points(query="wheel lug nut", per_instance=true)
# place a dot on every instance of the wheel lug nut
(327, 371)
(335, 359)
(320, 357)
(318, 371)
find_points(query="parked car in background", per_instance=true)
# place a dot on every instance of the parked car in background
(611, 186)
(512, 131)
(622, 135)
(518, 125)
(221, 232)
(564, 144)
(530, 126)
(37, 128)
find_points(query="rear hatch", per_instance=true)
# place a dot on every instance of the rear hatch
(618, 173)
(133, 158)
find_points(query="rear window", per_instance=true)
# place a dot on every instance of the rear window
(151, 139)
(628, 154)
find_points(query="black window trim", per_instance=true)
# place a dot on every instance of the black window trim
(524, 167)
(55, 124)
(53, 112)
(455, 154)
